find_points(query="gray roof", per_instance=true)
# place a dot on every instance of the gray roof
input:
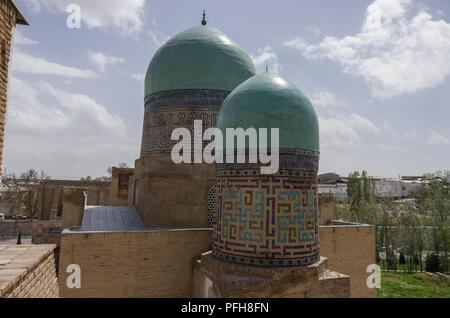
(111, 219)
(106, 219)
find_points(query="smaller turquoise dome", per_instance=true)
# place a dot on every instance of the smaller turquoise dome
(269, 101)
(198, 58)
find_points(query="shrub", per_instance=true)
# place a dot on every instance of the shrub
(432, 263)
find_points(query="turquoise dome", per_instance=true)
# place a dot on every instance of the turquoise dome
(268, 101)
(198, 58)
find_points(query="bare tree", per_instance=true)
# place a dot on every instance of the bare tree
(20, 194)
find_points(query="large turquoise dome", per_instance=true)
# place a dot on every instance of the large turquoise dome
(269, 101)
(198, 58)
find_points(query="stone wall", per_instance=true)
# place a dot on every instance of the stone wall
(46, 232)
(175, 197)
(120, 184)
(28, 271)
(350, 248)
(74, 202)
(41, 232)
(327, 204)
(133, 264)
(50, 195)
(11, 228)
(215, 278)
(159, 263)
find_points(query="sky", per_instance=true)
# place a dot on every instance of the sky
(376, 71)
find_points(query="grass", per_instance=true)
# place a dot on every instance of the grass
(417, 285)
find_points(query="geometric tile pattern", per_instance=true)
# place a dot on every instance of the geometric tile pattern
(168, 110)
(267, 220)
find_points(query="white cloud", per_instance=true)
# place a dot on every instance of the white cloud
(24, 63)
(75, 114)
(138, 77)
(101, 60)
(326, 99)
(158, 38)
(436, 139)
(122, 15)
(266, 57)
(67, 135)
(20, 39)
(339, 133)
(394, 53)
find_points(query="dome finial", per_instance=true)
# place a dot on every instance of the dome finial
(204, 17)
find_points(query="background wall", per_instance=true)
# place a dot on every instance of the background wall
(12, 227)
(132, 264)
(350, 249)
(50, 197)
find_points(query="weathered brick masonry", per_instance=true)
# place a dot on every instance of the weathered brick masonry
(28, 271)
(12, 228)
(132, 264)
(9, 17)
(350, 248)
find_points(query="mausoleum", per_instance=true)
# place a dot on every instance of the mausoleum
(214, 230)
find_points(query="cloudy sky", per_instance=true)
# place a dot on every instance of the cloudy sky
(377, 72)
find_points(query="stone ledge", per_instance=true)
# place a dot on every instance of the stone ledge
(239, 280)
(17, 261)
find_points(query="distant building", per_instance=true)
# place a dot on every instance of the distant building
(332, 183)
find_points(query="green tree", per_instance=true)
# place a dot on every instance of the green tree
(434, 204)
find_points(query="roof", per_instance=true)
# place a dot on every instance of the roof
(19, 17)
(269, 101)
(111, 219)
(198, 58)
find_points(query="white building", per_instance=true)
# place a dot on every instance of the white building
(384, 187)
(339, 190)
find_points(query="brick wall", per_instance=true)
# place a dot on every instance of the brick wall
(120, 184)
(133, 264)
(326, 208)
(28, 271)
(74, 202)
(50, 195)
(350, 249)
(12, 228)
(159, 263)
(7, 24)
(46, 232)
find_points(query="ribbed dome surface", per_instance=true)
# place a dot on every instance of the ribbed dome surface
(268, 101)
(198, 58)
